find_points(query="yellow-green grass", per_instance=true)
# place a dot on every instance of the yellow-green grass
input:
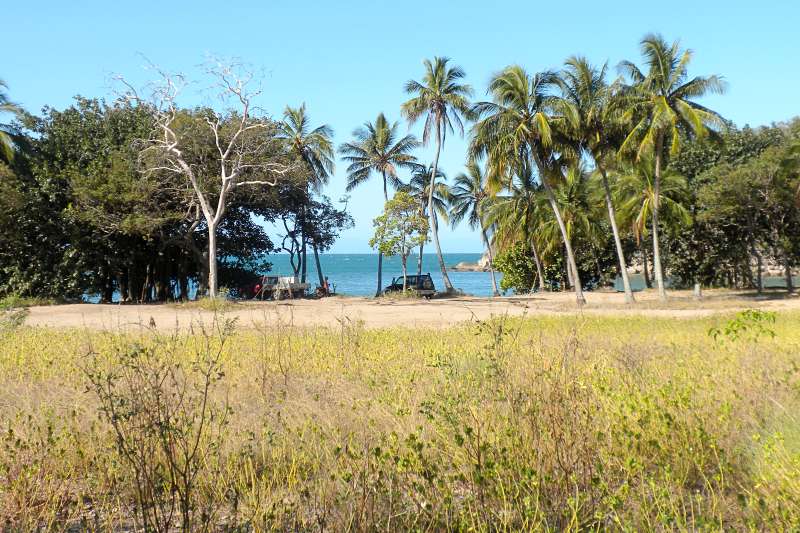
(513, 424)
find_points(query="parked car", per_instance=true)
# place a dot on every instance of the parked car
(422, 284)
(278, 287)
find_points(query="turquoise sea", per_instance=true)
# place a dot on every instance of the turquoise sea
(356, 274)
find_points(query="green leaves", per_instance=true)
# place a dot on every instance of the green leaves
(400, 228)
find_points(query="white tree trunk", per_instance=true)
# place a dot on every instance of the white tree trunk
(212, 261)
(495, 292)
(623, 267)
(572, 267)
(539, 269)
(657, 269)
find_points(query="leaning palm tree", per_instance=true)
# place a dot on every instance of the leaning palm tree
(515, 217)
(592, 120)
(637, 196)
(6, 131)
(314, 147)
(577, 197)
(660, 110)
(467, 198)
(419, 188)
(443, 99)
(378, 148)
(515, 128)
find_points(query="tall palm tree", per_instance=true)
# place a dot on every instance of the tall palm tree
(378, 148)
(419, 188)
(591, 118)
(660, 109)
(315, 148)
(516, 128)
(444, 101)
(467, 198)
(6, 132)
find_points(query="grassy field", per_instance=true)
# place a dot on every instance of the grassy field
(552, 423)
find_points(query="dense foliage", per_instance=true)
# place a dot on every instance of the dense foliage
(84, 213)
(590, 176)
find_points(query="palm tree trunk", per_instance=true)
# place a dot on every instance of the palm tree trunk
(572, 266)
(657, 269)
(623, 267)
(568, 268)
(448, 287)
(539, 269)
(495, 292)
(380, 255)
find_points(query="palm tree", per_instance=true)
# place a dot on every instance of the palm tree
(659, 107)
(315, 148)
(516, 217)
(637, 196)
(378, 148)
(419, 188)
(6, 131)
(586, 103)
(443, 99)
(515, 128)
(467, 198)
(577, 199)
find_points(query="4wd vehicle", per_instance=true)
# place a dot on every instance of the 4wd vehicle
(422, 284)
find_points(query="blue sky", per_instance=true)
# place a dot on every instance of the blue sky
(349, 60)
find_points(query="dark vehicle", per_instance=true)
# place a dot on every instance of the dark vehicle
(422, 284)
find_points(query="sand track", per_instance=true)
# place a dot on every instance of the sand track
(410, 313)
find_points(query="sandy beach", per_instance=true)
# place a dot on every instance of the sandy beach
(407, 313)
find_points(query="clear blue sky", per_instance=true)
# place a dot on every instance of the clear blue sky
(348, 60)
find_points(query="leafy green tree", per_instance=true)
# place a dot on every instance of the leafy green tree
(314, 147)
(378, 148)
(467, 198)
(520, 272)
(660, 108)
(443, 100)
(515, 130)
(400, 229)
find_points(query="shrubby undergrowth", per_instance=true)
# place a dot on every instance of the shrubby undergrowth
(510, 424)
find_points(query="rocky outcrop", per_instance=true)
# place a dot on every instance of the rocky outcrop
(481, 266)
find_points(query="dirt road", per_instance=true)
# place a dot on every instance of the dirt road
(400, 312)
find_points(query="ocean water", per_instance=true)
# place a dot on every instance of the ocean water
(356, 274)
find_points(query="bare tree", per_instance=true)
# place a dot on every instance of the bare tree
(243, 144)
